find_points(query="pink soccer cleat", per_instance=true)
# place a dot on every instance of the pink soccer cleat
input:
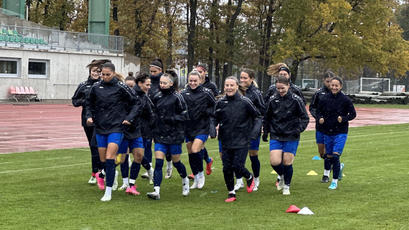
(132, 191)
(100, 181)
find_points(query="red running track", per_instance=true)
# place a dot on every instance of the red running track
(26, 128)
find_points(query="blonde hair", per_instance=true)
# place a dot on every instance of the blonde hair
(119, 76)
(274, 68)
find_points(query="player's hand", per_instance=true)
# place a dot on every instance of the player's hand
(125, 122)
(339, 119)
(321, 121)
(90, 121)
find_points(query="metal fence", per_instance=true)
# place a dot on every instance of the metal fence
(51, 39)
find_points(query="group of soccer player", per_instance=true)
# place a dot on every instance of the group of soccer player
(122, 116)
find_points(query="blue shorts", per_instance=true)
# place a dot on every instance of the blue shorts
(201, 137)
(254, 144)
(286, 146)
(220, 147)
(169, 149)
(319, 137)
(104, 139)
(131, 144)
(335, 143)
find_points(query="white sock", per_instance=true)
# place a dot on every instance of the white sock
(150, 164)
(232, 192)
(125, 180)
(201, 174)
(157, 189)
(131, 181)
(103, 172)
(108, 191)
(335, 181)
(239, 181)
(327, 172)
(169, 164)
(278, 177)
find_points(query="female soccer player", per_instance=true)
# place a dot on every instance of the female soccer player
(285, 118)
(334, 112)
(249, 89)
(319, 136)
(171, 113)
(200, 103)
(111, 105)
(79, 99)
(238, 124)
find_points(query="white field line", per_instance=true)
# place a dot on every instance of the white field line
(33, 169)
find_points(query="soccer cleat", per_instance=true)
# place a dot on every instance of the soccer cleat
(209, 167)
(185, 186)
(92, 180)
(145, 175)
(286, 190)
(280, 185)
(115, 185)
(201, 181)
(153, 195)
(106, 197)
(191, 176)
(132, 191)
(341, 170)
(250, 184)
(168, 172)
(150, 175)
(239, 184)
(195, 182)
(123, 187)
(256, 183)
(333, 186)
(100, 181)
(230, 198)
(325, 179)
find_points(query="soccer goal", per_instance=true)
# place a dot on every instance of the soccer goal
(309, 83)
(375, 84)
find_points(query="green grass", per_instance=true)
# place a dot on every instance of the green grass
(387, 106)
(49, 190)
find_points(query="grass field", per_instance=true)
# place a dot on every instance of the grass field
(49, 190)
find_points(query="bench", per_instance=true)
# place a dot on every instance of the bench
(22, 93)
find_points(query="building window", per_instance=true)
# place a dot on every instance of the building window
(9, 67)
(38, 68)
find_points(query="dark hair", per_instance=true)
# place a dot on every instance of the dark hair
(284, 68)
(338, 79)
(142, 77)
(174, 77)
(97, 63)
(283, 80)
(203, 66)
(130, 74)
(328, 74)
(250, 72)
(157, 63)
(130, 78)
(109, 65)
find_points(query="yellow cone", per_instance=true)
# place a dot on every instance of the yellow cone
(273, 172)
(312, 173)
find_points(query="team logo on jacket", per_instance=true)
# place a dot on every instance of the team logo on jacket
(101, 87)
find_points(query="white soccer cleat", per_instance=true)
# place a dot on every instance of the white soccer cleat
(201, 180)
(239, 184)
(106, 197)
(256, 183)
(286, 190)
(115, 185)
(169, 172)
(123, 187)
(195, 182)
(280, 185)
(185, 186)
(92, 180)
(145, 175)
(153, 195)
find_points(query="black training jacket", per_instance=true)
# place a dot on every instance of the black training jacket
(210, 85)
(80, 96)
(293, 88)
(109, 104)
(254, 94)
(171, 113)
(330, 107)
(315, 100)
(134, 131)
(236, 116)
(200, 103)
(147, 116)
(285, 117)
(155, 87)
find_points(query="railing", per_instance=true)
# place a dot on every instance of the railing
(51, 39)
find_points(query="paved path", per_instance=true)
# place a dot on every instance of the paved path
(25, 128)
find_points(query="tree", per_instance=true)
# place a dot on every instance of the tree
(402, 15)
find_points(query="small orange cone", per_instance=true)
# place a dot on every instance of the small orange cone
(293, 209)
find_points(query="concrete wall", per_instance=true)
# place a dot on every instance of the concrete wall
(66, 71)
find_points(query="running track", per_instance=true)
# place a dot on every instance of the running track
(25, 128)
